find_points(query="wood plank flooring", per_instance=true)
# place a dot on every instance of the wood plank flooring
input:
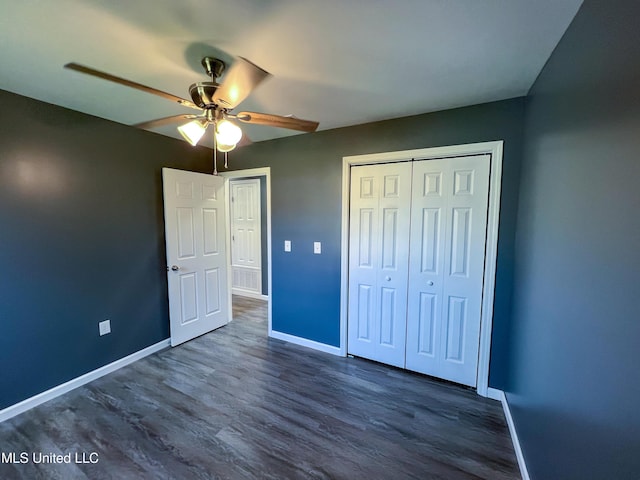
(234, 404)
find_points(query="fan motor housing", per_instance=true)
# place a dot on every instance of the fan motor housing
(202, 93)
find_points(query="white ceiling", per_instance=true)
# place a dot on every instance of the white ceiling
(340, 62)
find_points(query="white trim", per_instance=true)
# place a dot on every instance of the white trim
(488, 290)
(322, 347)
(248, 294)
(344, 254)
(495, 394)
(490, 264)
(63, 388)
(227, 242)
(512, 430)
(257, 172)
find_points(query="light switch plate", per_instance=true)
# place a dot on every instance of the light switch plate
(317, 247)
(104, 327)
(287, 245)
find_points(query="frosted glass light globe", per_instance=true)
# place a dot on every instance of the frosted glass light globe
(224, 148)
(227, 133)
(193, 131)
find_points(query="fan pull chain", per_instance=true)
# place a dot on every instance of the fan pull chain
(215, 156)
(225, 160)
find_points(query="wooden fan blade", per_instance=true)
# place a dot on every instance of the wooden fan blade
(128, 83)
(242, 78)
(165, 121)
(277, 121)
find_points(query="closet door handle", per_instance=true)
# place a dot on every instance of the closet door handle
(430, 283)
(387, 278)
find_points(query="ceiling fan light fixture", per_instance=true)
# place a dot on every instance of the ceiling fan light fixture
(224, 148)
(193, 131)
(214, 101)
(227, 134)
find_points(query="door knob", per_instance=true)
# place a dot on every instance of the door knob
(430, 283)
(387, 278)
(175, 268)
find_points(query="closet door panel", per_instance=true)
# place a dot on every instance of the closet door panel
(447, 265)
(378, 261)
(363, 254)
(464, 255)
(427, 246)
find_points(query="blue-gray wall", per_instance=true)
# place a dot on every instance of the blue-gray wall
(306, 194)
(574, 385)
(81, 240)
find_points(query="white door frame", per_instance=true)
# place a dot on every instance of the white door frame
(488, 290)
(254, 172)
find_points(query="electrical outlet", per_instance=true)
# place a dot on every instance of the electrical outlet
(104, 327)
(317, 248)
(287, 245)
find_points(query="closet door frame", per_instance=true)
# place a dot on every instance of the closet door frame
(488, 291)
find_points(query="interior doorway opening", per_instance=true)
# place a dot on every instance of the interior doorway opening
(261, 176)
(248, 245)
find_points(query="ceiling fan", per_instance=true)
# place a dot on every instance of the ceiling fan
(215, 102)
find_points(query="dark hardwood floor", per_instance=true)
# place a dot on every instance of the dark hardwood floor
(235, 404)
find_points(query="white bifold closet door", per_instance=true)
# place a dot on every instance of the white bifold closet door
(378, 261)
(416, 264)
(446, 266)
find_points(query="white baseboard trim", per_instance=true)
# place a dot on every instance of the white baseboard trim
(495, 394)
(323, 347)
(499, 395)
(54, 392)
(244, 293)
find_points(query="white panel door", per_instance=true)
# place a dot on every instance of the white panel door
(446, 266)
(378, 261)
(246, 260)
(194, 213)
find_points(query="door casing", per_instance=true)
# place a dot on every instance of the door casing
(494, 149)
